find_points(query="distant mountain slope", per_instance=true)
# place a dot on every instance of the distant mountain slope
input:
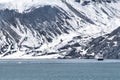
(58, 28)
(109, 45)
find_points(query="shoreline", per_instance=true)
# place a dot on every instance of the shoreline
(50, 59)
(58, 61)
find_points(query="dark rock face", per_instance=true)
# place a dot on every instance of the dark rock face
(36, 20)
(78, 1)
(107, 1)
(109, 45)
(100, 1)
(44, 23)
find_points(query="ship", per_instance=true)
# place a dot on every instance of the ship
(99, 57)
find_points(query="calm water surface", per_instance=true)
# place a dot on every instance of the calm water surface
(73, 69)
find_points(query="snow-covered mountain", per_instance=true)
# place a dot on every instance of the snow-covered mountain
(58, 28)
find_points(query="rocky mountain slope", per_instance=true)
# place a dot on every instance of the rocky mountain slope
(59, 28)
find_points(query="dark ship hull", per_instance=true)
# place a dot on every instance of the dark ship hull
(100, 59)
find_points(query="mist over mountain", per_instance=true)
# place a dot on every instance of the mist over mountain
(59, 28)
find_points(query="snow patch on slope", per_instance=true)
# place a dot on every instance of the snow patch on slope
(22, 5)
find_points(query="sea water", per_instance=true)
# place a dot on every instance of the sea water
(57, 69)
